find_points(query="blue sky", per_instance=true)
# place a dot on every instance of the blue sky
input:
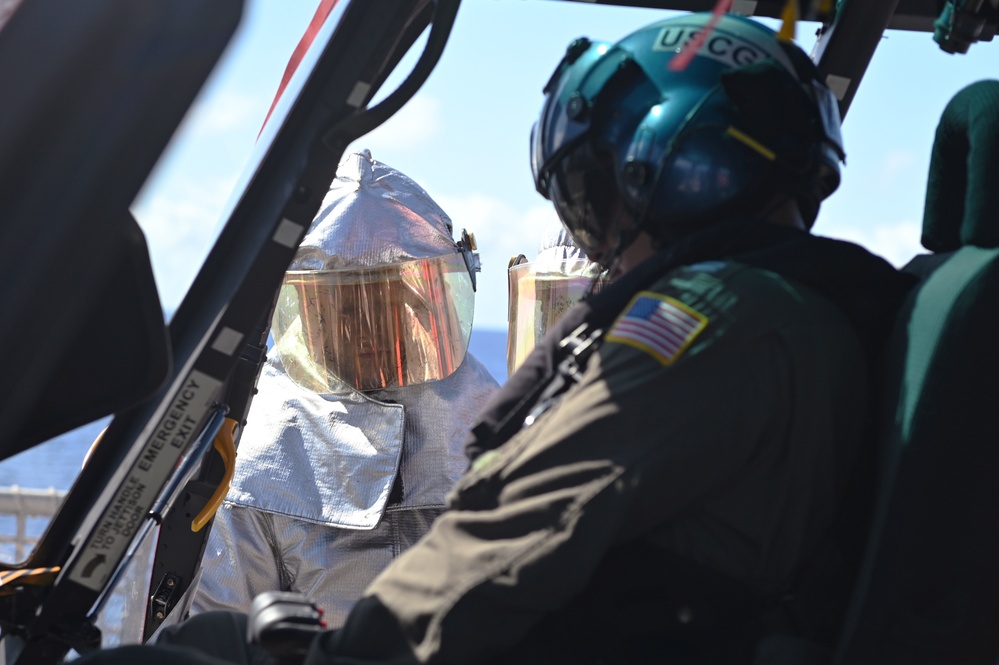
(464, 137)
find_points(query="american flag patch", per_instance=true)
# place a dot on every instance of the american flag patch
(659, 325)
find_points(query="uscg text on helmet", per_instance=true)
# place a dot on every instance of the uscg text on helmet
(723, 48)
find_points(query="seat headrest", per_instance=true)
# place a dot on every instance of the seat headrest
(962, 196)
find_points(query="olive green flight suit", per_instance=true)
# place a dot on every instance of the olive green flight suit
(727, 448)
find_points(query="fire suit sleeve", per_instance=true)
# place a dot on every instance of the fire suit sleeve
(239, 561)
(631, 446)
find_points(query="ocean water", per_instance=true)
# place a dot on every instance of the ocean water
(489, 346)
(56, 463)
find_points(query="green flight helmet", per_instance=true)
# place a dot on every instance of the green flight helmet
(626, 132)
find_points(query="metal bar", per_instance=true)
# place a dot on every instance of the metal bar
(21, 529)
(916, 15)
(35, 502)
(21, 504)
(844, 49)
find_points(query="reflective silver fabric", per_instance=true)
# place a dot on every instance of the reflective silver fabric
(315, 505)
(373, 215)
(557, 245)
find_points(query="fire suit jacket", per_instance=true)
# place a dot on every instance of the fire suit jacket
(717, 423)
(329, 488)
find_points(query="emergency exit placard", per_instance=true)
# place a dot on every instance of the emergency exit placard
(122, 517)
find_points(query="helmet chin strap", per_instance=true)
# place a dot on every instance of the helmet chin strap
(611, 259)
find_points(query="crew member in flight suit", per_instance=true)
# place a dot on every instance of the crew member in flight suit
(670, 460)
(668, 463)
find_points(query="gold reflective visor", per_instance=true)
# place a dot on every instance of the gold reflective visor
(374, 328)
(540, 293)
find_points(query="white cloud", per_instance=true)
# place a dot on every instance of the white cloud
(896, 241)
(895, 165)
(181, 222)
(416, 125)
(229, 110)
(501, 232)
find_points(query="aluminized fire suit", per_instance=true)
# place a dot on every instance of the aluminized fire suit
(316, 504)
(355, 436)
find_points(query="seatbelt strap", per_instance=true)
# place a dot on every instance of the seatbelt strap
(575, 351)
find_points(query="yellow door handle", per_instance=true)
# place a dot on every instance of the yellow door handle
(225, 444)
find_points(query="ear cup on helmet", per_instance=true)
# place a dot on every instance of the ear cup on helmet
(773, 109)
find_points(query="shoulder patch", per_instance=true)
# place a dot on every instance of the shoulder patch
(659, 325)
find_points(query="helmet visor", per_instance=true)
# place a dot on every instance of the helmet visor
(583, 188)
(375, 328)
(539, 296)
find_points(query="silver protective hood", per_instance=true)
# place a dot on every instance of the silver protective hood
(374, 215)
(556, 245)
(379, 295)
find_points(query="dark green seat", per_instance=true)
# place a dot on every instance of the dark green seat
(928, 590)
